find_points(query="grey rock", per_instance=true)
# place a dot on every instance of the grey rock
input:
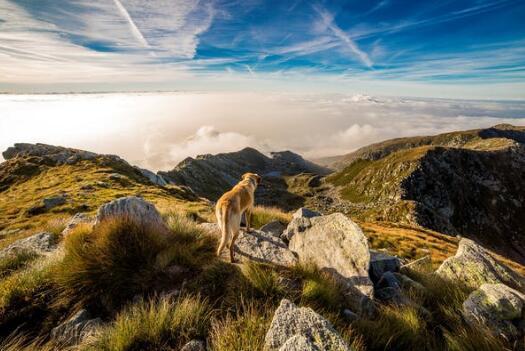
(304, 212)
(473, 266)
(350, 316)
(75, 330)
(290, 321)
(54, 201)
(381, 263)
(57, 154)
(408, 283)
(152, 177)
(496, 306)
(337, 245)
(299, 343)
(79, 218)
(258, 246)
(116, 176)
(263, 247)
(41, 243)
(274, 228)
(296, 225)
(194, 345)
(134, 208)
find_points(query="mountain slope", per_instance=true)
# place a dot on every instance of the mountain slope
(211, 175)
(475, 188)
(43, 183)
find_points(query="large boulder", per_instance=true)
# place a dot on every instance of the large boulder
(301, 325)
(41, 243)
(299, 343)
(473, 266)
(300, 221)
(75, 329)
(497, 307)
(134, 208)
(337, 245)
(258, 246)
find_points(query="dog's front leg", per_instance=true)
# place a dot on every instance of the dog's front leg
(248, 215)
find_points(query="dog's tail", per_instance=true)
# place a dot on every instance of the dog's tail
(223, 218)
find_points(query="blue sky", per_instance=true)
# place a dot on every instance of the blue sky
(465, 49)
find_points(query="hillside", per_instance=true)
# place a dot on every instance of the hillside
(474, 187)
(43, 184)
(210, 176)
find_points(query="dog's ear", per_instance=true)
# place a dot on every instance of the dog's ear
(259, 178)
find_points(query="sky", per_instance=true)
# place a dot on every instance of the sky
(470, 49)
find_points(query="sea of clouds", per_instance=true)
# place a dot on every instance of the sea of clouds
(158, 130)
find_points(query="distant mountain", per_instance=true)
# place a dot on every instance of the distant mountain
(211, 175)
(470, 183)
(452, 139)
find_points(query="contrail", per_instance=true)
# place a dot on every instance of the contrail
(132, 26)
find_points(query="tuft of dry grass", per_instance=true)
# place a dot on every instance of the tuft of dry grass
(156, 324)
(264, 280)
(262, 215)
(11, 263)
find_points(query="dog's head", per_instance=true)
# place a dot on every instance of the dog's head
(252, 176)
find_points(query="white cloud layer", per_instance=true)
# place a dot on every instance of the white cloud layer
(158, 130)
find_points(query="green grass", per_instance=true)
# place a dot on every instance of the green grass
(264, 280)
(262, 215)
(156, 324)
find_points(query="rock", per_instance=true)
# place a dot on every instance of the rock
(473, 266)
(259, 246)
(116, 176)
(134, 208)
(388, 289)
(79, 218)
(381, 263)
(296, 225)
(194, 345)
(304, 212)
(274, 228)
(54, 201)
(290, 321)
(407, 283)
(41, 243)
(299, 343)
(350, 316)
(152, 177)
(75, 330)
(337, 245)
(498, 307)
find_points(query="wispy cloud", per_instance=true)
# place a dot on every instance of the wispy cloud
(133, 27)
(327, 20)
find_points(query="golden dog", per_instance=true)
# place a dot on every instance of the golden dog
(230, 208)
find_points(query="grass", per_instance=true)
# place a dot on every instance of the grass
(262, 215)
(264, 280)
(12, 263)
(156, 324)
(107, 266)
(242, 330)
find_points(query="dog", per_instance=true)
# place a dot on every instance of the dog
(231, 206)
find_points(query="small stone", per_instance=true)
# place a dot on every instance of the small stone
(75, 330)
(350, 316)
(77, 219)
(54, 201)
(381, 263)
(304, 212)
(194, 345)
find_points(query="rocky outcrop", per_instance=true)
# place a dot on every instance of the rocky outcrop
(497, 307)
(337, 245)
(152, 177)
(75, 330)
(300, 222)
(292, 326)
(258, 246)
(41, 243)
(474, 266)
(134, 208)
(211, 175)
(57, 154)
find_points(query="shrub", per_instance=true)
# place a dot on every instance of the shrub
(262, 215)
(243, 330)
(118, 259)
(157, 324)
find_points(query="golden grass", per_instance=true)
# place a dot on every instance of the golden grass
(262, 215)
(12, 263)
(156, 324)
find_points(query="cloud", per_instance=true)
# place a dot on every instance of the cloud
(327, 21)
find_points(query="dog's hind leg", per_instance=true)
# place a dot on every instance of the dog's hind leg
(232, 245)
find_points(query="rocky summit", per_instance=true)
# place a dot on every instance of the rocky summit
(414, 244)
